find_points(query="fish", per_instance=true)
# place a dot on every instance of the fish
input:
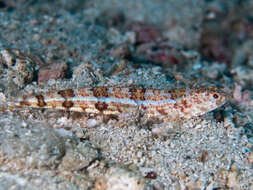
(168, 105)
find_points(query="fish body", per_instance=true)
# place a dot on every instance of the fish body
(169, 105)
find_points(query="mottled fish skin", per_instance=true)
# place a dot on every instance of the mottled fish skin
(169, 105)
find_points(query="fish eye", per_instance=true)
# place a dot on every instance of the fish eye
(215, 96)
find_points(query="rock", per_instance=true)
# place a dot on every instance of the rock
(121, 52)
(53, 71)
(212, 47)
(111, 18)
(24, 147)
(119, 179)
(92, 123)
(79, 157)
(20, 66)
(145, 33)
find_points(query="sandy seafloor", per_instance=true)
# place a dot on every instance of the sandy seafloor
(149, 43)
